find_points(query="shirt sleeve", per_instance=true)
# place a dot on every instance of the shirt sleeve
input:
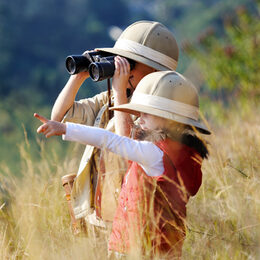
(147, 154)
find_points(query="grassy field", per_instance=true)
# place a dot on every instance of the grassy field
(223, 218)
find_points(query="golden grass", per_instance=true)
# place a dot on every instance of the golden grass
(223, 218)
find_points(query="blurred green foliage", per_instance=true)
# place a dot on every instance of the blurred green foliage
(36, 38)
(229, 62)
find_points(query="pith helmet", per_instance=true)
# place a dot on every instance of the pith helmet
(148, 42)
(169, 95)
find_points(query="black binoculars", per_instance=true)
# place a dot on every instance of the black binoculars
(100, 64)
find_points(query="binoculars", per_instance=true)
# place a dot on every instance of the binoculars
(100, 64)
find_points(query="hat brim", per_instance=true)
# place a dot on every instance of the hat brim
(136, 109)
(135, 57)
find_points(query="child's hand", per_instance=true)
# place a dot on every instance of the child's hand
(50, 127)
(121, 75)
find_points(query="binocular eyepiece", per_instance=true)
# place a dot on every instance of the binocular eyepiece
(100, 65)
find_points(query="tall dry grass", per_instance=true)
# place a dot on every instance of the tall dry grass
(223, 218)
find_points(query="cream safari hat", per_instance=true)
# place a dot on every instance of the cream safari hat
(147, 42)
(166, 94)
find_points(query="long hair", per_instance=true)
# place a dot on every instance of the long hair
(184, 134)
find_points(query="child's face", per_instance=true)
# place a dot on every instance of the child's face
(151, 122)
(140, 70)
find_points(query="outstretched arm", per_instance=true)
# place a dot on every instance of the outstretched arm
(147, 154)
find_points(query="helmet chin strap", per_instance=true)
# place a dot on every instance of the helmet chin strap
(130, 90)
(110, 112)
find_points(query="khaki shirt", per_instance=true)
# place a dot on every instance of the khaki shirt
(96, 165)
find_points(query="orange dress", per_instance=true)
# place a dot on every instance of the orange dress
(152, 210)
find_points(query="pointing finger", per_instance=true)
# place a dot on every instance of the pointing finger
(41, 118)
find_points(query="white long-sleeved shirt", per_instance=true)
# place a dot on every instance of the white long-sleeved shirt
(146, 154)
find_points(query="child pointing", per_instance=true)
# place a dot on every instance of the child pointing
(164, 163)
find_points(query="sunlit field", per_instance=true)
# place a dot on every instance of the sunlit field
(223, 218)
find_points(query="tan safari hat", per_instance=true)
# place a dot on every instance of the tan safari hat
(147, 42)
(169, 95)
